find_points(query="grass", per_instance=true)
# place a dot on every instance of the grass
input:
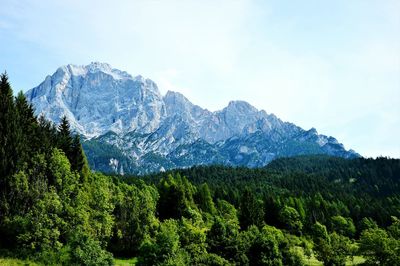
(125, 262)
(16, 262)
(312, 261)
(356, 260)
(309, 261)
(19, 262)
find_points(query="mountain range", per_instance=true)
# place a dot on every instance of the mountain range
(128, 126)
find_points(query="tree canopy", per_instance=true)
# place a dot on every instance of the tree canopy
(55, 210)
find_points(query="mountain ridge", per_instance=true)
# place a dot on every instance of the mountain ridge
(155, 132)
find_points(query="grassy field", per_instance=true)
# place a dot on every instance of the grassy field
(314, 262)
(131, 262)
(16, 262)
(125, 262)
(356, 261)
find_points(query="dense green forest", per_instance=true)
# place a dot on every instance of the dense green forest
(54, 210)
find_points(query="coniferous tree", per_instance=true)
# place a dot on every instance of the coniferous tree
(272, 207)
(72, 148)
(77, 157)
(7, 128)
(64, 137)
(251, 210)
(204, 199)
(26, 128)
(176, 197)
(47, 135)
(8, 143)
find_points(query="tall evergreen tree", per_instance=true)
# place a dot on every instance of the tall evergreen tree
(78, 159)
(8, 142)
(8, 153)
(251, 210)
(72, 148)
(272, 206)
(47, 135)
(27, 126)
(7, 128)
(204, 199)
(64, 137)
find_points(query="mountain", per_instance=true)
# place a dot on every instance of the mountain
(129, 127)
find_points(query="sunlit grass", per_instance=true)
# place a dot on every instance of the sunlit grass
(16, 262)
(356, 260)
(125, 262)
(312, 261)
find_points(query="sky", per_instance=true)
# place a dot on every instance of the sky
(332, 65)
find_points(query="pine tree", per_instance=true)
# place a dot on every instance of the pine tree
(7, 128)
(8, 141)
(47, 135)
(64, 137)
(72, 148)
(204, 199)
(251, 210)
(272, 206)
(27, 128)
(78, 159)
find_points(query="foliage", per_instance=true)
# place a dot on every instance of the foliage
(379, 248)
(343, 226)
(251, 210)
(54, 210)
(367, 223)
(164, 248)
(87, 251)
(332, 249)
(135, 209)
(290, 218)
(176, 197)
(204, 200)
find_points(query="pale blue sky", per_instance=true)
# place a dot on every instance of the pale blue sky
(332, 65)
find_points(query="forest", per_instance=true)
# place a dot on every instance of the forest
(54, 210)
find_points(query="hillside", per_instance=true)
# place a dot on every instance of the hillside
(55, 210)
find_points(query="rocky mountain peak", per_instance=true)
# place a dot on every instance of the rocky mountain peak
(241, 107)
(92, 68)
(110, 107)
(98, 66)
(177, 103)
(97, 98)
(174, 96)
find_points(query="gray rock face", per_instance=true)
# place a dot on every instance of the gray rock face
(97, 99)
(129, 127)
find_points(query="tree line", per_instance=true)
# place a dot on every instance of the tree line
(55, 210)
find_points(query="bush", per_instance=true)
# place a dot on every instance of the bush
(84, 250)
(379, 248)
(211, 259)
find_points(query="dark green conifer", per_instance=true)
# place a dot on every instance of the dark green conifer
(78, 159)
(204, 199)
(64, 137)
(47, 135)
(251, 210)
(7, 129)
(8, 151)
(26, 128)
